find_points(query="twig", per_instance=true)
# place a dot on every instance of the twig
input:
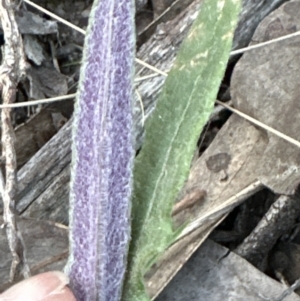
(262, 44)
(260, 124)
(221, 209)
(278, 220)
(37, 102)
(142, 106)
(189, 200)
(11, 71)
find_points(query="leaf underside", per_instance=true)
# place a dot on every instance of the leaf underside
(102, 162)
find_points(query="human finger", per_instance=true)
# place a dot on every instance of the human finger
(49, 286)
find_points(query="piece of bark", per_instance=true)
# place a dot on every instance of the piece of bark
(279, 219)
(54, 200)
(264, 86)
(12, 71)
(31, 23)
(215, 274)
(33, 49)
(43, 169)
(33, 134)
(45, 82)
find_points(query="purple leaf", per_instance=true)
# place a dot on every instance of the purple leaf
(103, 155)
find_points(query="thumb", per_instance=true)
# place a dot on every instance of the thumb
(50, 286)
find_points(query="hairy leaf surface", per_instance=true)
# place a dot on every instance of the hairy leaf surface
(103, 155)
(172, 132)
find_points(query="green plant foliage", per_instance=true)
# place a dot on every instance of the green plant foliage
(172, 132)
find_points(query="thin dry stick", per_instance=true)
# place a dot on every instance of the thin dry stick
(36, 102)
(142, 106)
(57, 98)
(139, 79)
(11, 71)
(243, 115)
(221, 209)
(248, 48)
(260, 124)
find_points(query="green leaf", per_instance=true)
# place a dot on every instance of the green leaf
(183, 108)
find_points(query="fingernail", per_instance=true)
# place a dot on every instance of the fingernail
(49, 286)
